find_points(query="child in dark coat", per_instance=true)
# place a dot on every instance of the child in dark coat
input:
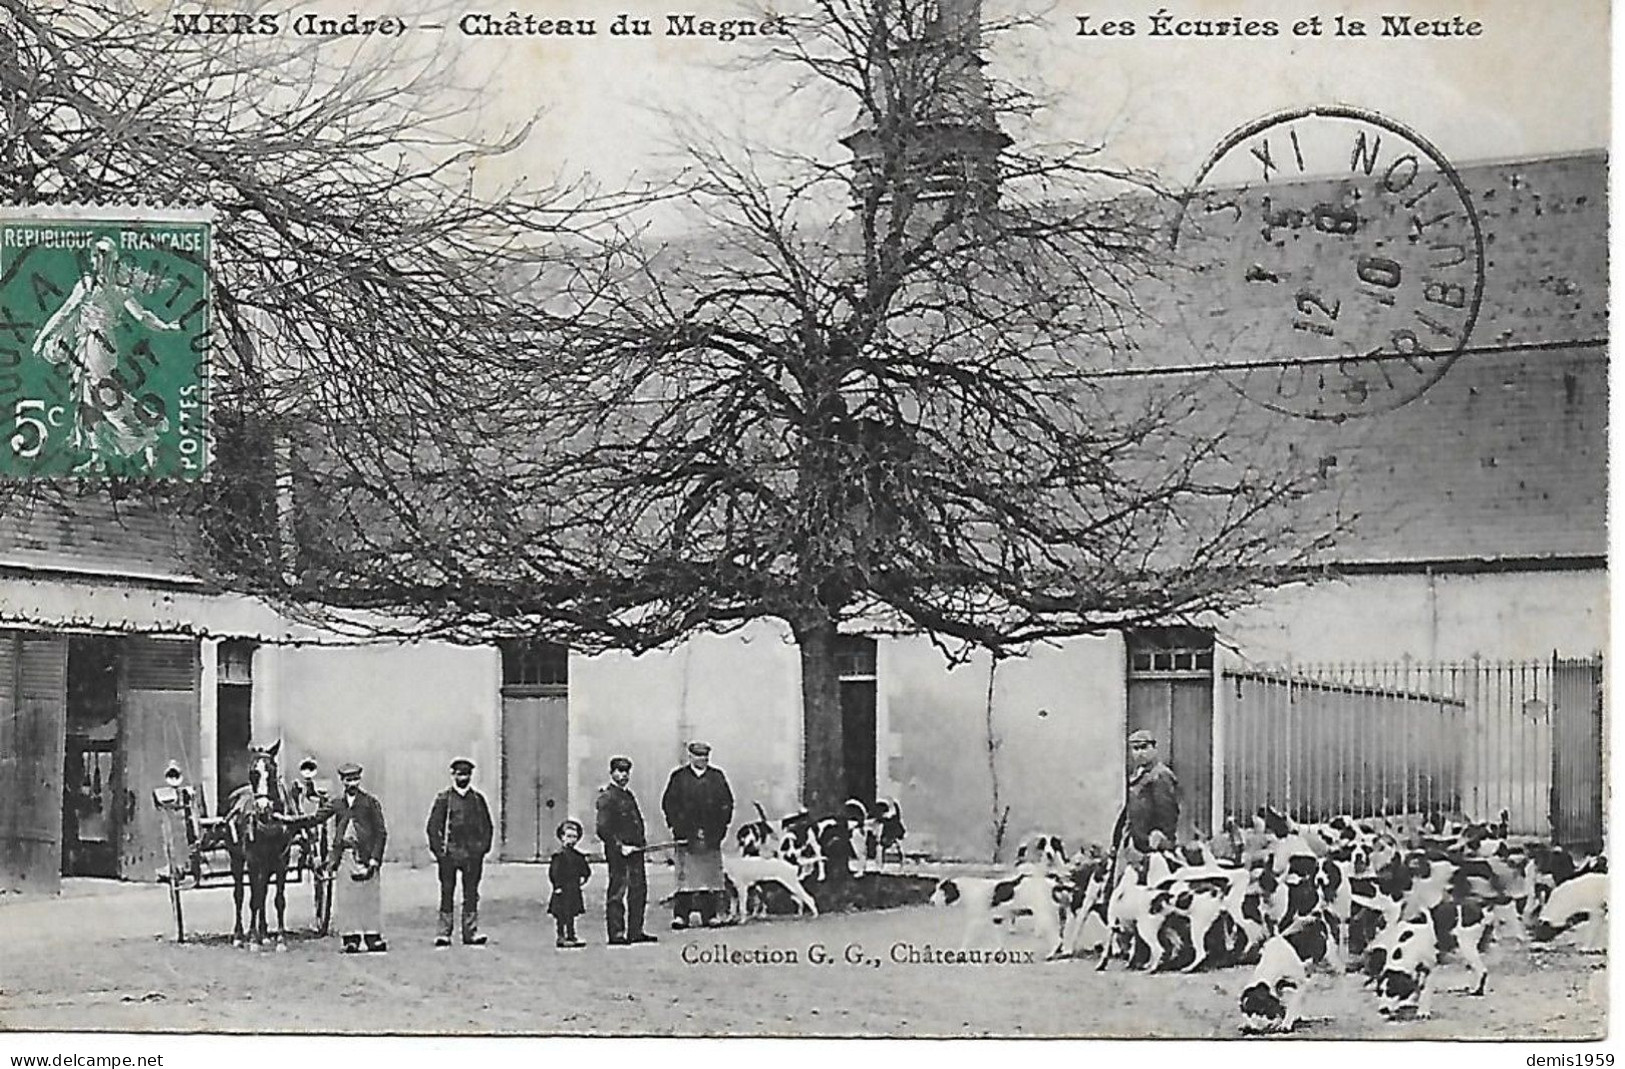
(567, 871)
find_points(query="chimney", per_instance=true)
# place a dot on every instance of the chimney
(931, 130)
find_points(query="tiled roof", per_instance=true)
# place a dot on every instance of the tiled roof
(92, 534)
(1504, 457)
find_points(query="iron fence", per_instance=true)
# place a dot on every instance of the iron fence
(1467, 738)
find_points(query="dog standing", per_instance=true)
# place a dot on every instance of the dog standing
(745, 873)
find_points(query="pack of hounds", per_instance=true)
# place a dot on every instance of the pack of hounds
(801, 849)
(1390, 899)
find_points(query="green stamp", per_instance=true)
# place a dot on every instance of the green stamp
(104, 342)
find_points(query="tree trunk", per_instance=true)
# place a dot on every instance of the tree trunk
(823, 745)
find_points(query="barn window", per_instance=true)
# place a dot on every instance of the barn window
(1168, 651)
(855, 657)
(235, 661)
(160, 663)
(534, 663)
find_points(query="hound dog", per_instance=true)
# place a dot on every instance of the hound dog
(1400, 965)
(757, 838)
(1579, 905)
(992, 903)
(885, 831)
(1271, 1002)
(744, 874)
(1044, 853)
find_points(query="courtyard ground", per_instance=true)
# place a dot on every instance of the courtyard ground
(103, 957)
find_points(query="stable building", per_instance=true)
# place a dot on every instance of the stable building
(1468, 601)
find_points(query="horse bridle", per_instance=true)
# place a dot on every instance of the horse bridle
(262, 782)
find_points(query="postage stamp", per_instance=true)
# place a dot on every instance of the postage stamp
(1345, 253)
(104, 338)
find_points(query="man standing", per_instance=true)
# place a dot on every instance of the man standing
(459, 831)
(1153, 796)
(698, 805)
(620, 829)
(359, 831)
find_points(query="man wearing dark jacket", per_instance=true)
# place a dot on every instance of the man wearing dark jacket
(620, 829)
(1153, 796)
(459, 831)
(698, 805)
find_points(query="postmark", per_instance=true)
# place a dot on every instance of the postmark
(104, 338)
(1338, 262)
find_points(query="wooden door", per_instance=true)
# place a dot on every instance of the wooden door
(33, 711)
(160, 722)
(535, 773)
(1577, 753)
(1179, 712)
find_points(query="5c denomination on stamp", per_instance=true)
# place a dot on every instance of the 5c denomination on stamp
(1339, 261)
(104, 341)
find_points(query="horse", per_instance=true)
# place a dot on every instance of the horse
(263, 820)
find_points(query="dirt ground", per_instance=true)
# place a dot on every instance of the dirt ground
(104, 958)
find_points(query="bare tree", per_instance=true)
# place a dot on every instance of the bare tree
(888, 384)
(366, 284)
(882, 387)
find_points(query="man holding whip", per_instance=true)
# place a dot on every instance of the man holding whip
(620, 829)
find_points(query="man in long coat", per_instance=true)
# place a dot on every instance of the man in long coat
(620, 829)
(459, 831)
(359, 836)
(698, 805)
(1153, 796)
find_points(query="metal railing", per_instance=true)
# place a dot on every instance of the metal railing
(1467, 738)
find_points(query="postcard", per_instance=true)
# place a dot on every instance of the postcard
(888, 519)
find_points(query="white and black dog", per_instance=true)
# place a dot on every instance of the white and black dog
(1272, 1002)
(1580, 906)
(745, 874)
(1403, 959)
(992, 903)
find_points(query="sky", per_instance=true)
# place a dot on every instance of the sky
(1533, 81)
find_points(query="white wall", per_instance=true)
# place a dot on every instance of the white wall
(739, 692)
(1498, 616)
(1058, 719)
(402, 711)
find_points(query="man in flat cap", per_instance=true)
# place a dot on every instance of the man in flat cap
(620, 829)
(459, 831)
(699, 806)
(1153, 796)
(360, 834)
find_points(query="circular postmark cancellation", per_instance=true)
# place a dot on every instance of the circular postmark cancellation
(1337, 259)
(104, 341)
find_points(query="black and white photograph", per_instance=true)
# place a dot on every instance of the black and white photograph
(884, 519)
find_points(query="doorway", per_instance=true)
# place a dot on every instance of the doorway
(535, 741)
(855, 665)
(93, 791)
(1170, 694)
(234, 718)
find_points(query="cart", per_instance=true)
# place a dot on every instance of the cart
(198, 847)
